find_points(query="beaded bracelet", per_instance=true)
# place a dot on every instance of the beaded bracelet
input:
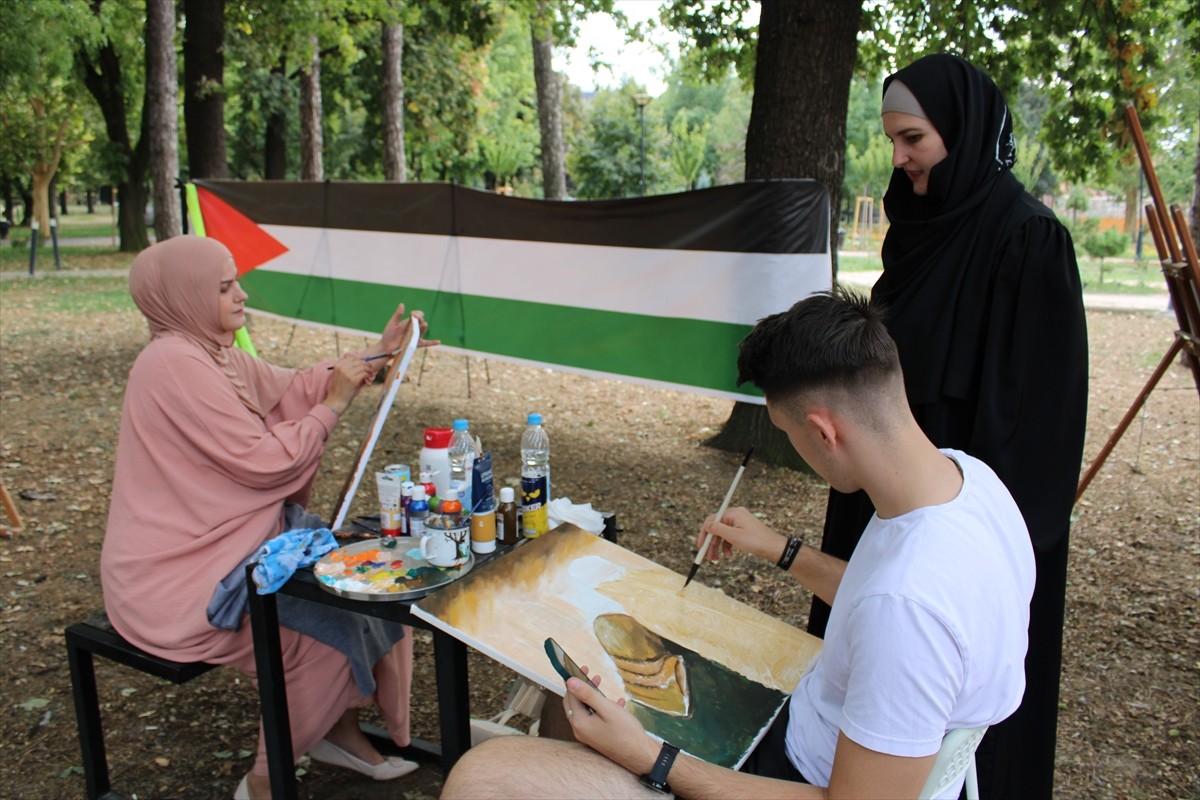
(789, 553)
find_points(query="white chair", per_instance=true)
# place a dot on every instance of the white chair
(956, 756)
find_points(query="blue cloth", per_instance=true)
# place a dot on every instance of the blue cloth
(280, 557)
(362, 639)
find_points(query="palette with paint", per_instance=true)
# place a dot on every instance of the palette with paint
(368, 570)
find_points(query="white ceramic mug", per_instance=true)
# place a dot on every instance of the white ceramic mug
(448, 546)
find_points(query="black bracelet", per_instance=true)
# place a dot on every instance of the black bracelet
(789, 553)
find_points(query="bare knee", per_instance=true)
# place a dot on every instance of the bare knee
(487, 770)
(532, 767)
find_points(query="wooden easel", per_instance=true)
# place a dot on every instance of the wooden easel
(10, 509)
(1181, 267)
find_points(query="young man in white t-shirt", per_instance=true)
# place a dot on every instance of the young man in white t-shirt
(928, 627)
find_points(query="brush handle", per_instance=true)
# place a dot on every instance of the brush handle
(720, 514)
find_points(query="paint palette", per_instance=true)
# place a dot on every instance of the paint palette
(368, 570)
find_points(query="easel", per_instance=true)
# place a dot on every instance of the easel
(1181, 267)
(10, 509)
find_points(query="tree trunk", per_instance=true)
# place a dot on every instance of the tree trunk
(549, 96)
(42, 173)
(162, 84)
(797, 129)
(1131, 212)
(275, 136)
(394, 167)
(1196, 200)
(204, 87)
(312, 165)
(103, 80)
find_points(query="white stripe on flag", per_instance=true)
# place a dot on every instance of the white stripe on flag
(737, 288)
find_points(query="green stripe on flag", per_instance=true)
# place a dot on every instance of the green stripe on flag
(681, 351)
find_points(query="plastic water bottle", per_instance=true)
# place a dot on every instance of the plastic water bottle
(462, 459)
(535, 478)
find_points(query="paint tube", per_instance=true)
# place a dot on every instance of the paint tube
(390, 513)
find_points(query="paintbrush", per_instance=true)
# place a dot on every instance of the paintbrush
(376, 358)
(720, 514)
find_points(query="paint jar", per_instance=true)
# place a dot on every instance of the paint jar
(418, 512)
(406, 493)
(507, 529)
(399, 469)
(483, 531)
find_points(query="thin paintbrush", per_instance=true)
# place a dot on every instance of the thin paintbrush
(720, 514)
(376, 358)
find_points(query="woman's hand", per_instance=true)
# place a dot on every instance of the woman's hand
(350, 373)
(742, 530)
(611, 730)
(396, 332)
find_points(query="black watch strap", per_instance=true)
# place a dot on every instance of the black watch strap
(657, 779)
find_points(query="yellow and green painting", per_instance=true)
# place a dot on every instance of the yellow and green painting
(696, 667)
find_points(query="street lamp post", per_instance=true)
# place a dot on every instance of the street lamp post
(641, 100)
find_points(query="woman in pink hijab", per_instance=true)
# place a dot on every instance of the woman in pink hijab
(215, 446)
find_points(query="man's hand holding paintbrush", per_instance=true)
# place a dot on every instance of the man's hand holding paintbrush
(739, 529)
(707, 538)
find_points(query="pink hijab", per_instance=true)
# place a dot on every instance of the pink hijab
(175, 284)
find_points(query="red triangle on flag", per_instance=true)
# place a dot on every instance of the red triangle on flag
(250, 245)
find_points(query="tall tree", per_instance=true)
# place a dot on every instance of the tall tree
(549, 94)
(110, 80)
(204, 87)
(39, 98)
(795, 132)
(162, 85)
(312, 140)
(392, 92)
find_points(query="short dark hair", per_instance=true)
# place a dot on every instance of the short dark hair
(827, 340)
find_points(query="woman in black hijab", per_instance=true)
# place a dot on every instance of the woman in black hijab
(986, 308)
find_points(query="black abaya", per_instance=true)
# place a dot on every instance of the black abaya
(987, 312)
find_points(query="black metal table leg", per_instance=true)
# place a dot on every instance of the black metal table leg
(272, 691)
(454, 707)
(87, 718)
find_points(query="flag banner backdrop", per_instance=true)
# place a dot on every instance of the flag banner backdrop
(657, 289)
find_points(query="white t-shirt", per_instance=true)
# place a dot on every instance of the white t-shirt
(927, 632)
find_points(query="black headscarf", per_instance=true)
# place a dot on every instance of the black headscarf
(939, 246)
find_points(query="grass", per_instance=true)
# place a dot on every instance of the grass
(82, 295)
(72, 258)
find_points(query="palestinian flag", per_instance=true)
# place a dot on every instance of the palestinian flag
(658, 289)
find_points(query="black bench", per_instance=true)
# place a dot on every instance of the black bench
(97, 637)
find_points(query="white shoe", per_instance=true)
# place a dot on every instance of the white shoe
(392, 767)
(243, 789)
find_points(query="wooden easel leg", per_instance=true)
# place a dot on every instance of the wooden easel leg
(10, 508)
(1159, 371)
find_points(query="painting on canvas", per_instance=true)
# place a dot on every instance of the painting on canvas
(697, 668)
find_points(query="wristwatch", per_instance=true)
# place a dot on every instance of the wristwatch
(657, 779)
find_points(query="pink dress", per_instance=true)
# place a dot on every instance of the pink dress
(200, 483)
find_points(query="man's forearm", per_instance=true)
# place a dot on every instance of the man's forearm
(694, 779)
(820, 573)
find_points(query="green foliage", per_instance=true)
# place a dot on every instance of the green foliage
(1105, 244)
(505, 154)
(868, 171)
(605, 160)
(720, 38)
(1077, 200)
(1033, 164)
(689, 144)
